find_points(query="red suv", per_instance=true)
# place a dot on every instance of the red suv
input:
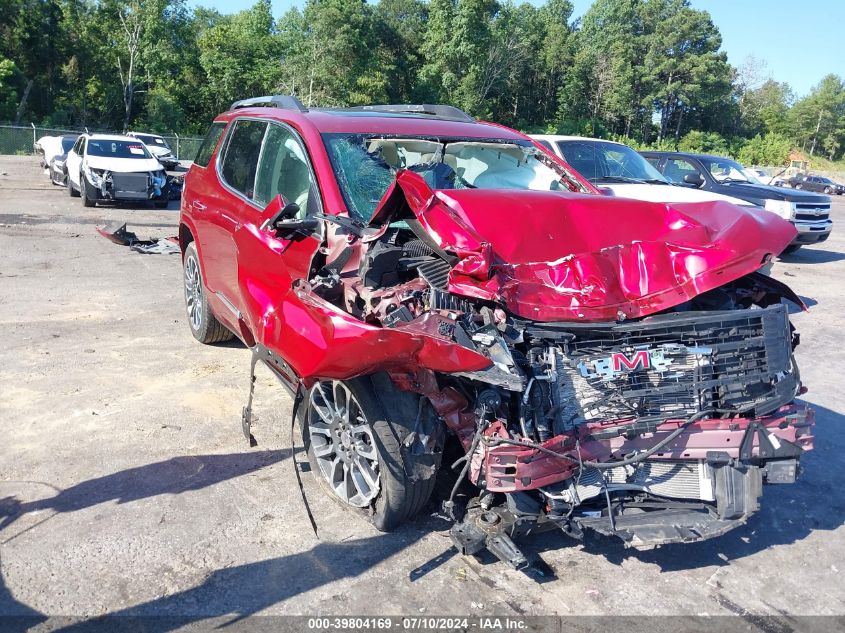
(416, 276)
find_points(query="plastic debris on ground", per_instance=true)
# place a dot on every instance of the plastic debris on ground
(124, 237)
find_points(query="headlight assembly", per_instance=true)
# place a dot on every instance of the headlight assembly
(783, 208)
(95, 176)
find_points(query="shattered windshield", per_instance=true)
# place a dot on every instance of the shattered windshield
(366, 165)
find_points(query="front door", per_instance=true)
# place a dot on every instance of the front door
(269, 264)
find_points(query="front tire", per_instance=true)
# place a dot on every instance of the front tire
(827, 190)
(354, 433)
(204, 325)
(88, 200)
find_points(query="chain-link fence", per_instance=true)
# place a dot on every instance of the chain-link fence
(20, 140)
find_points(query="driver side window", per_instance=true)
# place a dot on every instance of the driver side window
(677, 168)
(283, 169)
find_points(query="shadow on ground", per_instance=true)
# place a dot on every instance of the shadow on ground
(811, 255)
(788, 514)
(172, 476)
(248, 589)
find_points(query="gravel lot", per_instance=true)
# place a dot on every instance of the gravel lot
(126, 486)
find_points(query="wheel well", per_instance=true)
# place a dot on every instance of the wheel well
(185, 237)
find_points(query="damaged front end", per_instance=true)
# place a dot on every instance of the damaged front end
(642, 387)
(127, 186)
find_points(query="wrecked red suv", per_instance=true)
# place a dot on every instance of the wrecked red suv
(412, 274)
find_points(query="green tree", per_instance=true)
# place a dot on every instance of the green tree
(818, 115)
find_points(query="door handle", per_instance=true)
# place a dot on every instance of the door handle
(199, 206)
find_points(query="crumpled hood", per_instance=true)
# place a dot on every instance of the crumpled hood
(555, 256)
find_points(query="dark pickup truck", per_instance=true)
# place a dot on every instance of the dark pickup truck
(816, 183)
(808, 212)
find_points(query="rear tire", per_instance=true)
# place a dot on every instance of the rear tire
(204, 325)
(375, 428)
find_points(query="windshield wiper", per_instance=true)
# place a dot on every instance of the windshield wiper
(729, 180)
(618, 179)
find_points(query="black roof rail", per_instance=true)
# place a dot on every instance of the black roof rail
(440, 111)
(286, 102)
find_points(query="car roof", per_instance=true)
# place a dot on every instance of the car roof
(110, 137)
(328, 121)
(563, 137)
(686, 155)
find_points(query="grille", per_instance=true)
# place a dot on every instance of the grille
(435, 273)
(811, 216)
(674, 365)
(131, 186)
(812, 211)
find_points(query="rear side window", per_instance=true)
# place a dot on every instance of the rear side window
(241, 160)
(208, 144)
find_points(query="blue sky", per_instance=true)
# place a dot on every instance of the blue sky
(799, 43)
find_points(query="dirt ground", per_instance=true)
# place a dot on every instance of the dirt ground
(126, 486)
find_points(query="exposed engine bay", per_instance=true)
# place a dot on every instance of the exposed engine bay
(655, 419)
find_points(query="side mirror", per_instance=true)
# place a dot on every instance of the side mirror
(286, 214)
(694, 179)
(296, 227)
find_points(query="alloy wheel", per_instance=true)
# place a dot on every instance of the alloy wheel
(342, 442)
(193, 292)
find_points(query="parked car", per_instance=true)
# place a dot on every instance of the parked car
(816, 183)
(56, 165)
(50, 147)
(158, 147)
(417, 277)
(808, 212)
(102, 167)
(622, 171)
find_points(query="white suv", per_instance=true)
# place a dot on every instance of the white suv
(620, 170)
(114, 168)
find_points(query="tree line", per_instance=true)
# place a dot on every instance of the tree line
(649, 72)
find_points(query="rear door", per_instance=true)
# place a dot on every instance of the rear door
(235, 203)
(197, 199)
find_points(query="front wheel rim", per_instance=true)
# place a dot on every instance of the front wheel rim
(193, 292)
(343, 444)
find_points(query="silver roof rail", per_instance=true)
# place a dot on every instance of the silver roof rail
(440, 111)
(286, 102)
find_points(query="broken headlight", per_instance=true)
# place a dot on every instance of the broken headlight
(95, 176)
